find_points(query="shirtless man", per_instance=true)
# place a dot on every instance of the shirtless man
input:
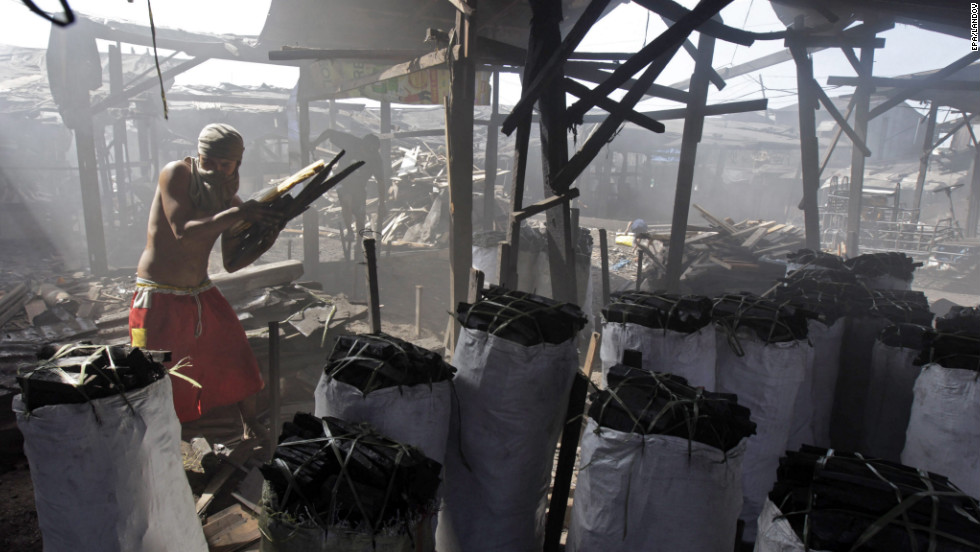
(176, 307)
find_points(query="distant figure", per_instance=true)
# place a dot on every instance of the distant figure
(176, 307)
(353, 190)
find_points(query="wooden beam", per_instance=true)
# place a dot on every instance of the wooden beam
(551, 66)
(115, 100)
(692, 51)
(665, 45)
(920, 180)
(576, 89)
(809, 147)
(923, 84)
(490, 157)
(887, 82)
(951, 131)
(463, 6)
(311, 217)
(590, 72)
(674, 12)
(837, 133)
(710, 110)
(565, 466)
(841, 120)
(861, 118)
(292, 53)
(693, 126)
(841, 41)
(545, 204)
(604, 259)
(374, 297)
(88, 174)
(433, 59)
(747, 67)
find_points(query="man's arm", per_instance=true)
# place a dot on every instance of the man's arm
(180, 212)
(233, 254)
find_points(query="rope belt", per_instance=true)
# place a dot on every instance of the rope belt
(149, 285)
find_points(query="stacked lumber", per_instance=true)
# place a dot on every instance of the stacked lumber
(733, 245)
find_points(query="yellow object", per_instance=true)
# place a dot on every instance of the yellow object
(293, 180)
(624, 239)
(138, 337)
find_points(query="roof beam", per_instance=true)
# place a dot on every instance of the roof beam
(923, 84)
(579, 90)
(841, 120)
(887, 82)
(113, 100)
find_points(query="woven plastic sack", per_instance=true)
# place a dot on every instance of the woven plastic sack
(944, 426)
(108, 474)
(512, 401)
(654, 493)
(847, 419)
(690, 355)
(815, 399)
(889, 404)
(776, 534)
(766, 380)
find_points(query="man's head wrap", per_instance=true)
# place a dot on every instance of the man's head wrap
(222, 141)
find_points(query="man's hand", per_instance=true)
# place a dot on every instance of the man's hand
(263, 214)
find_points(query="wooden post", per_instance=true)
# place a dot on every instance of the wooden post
(490, 161)
(545, 38)
(311, 217)
(119, 142)
(274, 398)
(385, 162)
(693, 125)
(604, 253)
(459, 143)
(862, 101)
(418, 311)
(566, 463)
(475, 291)
(88, 173)
(374, 299)
(809, 148)
(920, 180)
(639, 267)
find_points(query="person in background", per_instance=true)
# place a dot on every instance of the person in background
(175, 306)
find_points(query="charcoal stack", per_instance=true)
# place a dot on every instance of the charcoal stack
(817, 295)
(944, 423)
(887, 270)
(872, 312)
(516, 359)
(103, 443)
(399, 388)
(836, 502)
(659, 458)
(810, 260)
(895, 364)
(762, 352)
(673, 333)
(333, 485)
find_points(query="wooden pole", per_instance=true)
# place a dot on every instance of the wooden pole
(385, 163)
(475, 291)
(490, 161)
(566, 463)
(311, 217)
(862, 104)
(459, 143)
(119, 142)
(604, 253)
(693, 125)
(275, 401)
(418, 311)
(639, 267)
(809, 148)
(98, 261)
(374, 299)
(920, 180)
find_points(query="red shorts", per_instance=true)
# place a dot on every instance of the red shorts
(200, 328)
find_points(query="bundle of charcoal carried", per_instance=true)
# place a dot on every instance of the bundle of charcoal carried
(81, 373)
(885, 270)
(516, 359)
(871, 312)
(333, 485)
(401, 389)
(829, 501)
(895, 365)
(659, 457)
(672, 332)
(944, 423)
(92, 417)
(761, 357)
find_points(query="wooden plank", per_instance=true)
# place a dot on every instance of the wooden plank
(565, 465)
(750, 229)
(595, 341)
(224, 520)
(840, 119)
(545, 204)
(720, 262)
(809, 146)
(476, 286)
(922, 84)
(374, 299)
(754, 238)
(924, 159)
(238, 456)
(580, 90)
(275, 398)
(728, 228)
(861, 118)
(604, 256)
(776, 228)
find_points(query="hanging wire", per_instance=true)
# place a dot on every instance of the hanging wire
(69, 15)
(156, 59)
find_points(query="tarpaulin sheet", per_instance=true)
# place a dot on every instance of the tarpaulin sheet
(512, 401)
(655, 493)
(690, 355)
(108, 474)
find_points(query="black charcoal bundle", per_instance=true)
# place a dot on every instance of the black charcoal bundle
(944, 424)
(516, 359)
(103, 443)
(884, 270)
(871, 311)
(762, 355)
(808, 259)
(336, 483)
(895, 365)
(658, 459)
(672, 332)
(401, 389)
(828, 501)
(80, 373)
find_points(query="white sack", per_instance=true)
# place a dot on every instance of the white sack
(417, 415)
(776, 534)
(512, 401)
(647, 492)
(889, 403)
(944, 426)
(766, 380)
(689, 355)
(826, 352)
(112, 484)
